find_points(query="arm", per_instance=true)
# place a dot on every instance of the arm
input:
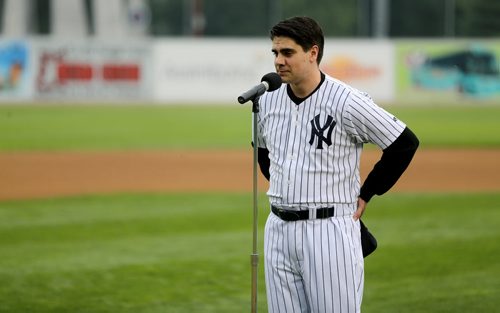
(264, 162)
(394, 161)
(386, 172)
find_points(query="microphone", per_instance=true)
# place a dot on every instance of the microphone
(269, 82)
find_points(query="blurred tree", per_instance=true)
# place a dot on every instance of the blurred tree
(337, 17)
(478, 18)
(42, 14)
(236, 17)
(1, 15)
(423, 18)
(167, 17)
(253, 18)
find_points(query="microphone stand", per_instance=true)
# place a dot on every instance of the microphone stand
(254, 257)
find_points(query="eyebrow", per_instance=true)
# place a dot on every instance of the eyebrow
(284, 50)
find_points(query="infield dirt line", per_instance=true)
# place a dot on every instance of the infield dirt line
(48, 174)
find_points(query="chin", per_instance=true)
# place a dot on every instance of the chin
(285, 79)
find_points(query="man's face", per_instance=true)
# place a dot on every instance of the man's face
(292, 63)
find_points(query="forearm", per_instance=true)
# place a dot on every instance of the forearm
(264, 162)
(394, 161)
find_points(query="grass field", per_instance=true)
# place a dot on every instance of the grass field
(189, 252)
(167, 127)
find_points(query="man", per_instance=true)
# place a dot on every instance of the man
(311, 133)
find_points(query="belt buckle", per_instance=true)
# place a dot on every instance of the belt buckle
(280, 212)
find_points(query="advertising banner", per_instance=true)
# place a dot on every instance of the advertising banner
(209, 70)
(92, 71)
(218, 70)
(367, 65)
(15, 71)
(440, 71)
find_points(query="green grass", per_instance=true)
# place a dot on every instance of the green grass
(207, 127)
(170, 253)
(123, 127)
(438, 253)
(190, 253)
(453, 126)
(180, 253)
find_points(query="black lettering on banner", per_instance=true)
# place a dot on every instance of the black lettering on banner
(318, 130)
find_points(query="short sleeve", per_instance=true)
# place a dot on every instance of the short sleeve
(261, 143)
(367, 122)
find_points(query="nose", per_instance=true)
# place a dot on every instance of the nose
(279, 59)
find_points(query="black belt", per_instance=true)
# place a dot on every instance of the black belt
(290, 216)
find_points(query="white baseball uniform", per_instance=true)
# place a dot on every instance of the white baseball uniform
(315, 144)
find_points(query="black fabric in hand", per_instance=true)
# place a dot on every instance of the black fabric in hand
(368, 241)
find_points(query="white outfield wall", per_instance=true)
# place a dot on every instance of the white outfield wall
(218, 70)
(77, 71)
(368, 65)
(170, 70)
(92, 71)
(208, 70)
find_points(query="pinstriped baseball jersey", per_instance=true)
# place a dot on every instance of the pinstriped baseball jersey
(315, 146)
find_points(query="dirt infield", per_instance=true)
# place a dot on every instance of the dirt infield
(40, 175)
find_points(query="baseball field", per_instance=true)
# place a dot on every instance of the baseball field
(145, 208)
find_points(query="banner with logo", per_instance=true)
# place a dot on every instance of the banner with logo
(218, 70)
(92, 71)
(448, 71)
(209, 70)
(15, 70)
(367, 65)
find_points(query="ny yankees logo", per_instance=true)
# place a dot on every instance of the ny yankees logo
(318, 130)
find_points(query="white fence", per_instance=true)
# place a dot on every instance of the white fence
(207, 71)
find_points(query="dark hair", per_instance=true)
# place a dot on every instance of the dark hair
(305, 31)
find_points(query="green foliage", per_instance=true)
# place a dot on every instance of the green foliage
(190, 253)
(337, 18)
(465, 18)
(407, 22)
(478, 18)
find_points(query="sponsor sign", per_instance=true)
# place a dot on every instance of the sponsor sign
(209, 70)
(445, 71)
(218, 70)
(367, 65)
(15, 67)
(92, 71)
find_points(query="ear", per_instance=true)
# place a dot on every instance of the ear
(313, 54)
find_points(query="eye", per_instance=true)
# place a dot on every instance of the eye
(287, 52)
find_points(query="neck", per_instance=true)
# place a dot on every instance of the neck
(306, 86)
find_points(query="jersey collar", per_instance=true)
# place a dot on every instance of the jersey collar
(298, 100)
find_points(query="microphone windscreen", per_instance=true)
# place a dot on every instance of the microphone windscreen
(273, 79)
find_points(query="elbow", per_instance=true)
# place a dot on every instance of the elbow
(414, 142)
